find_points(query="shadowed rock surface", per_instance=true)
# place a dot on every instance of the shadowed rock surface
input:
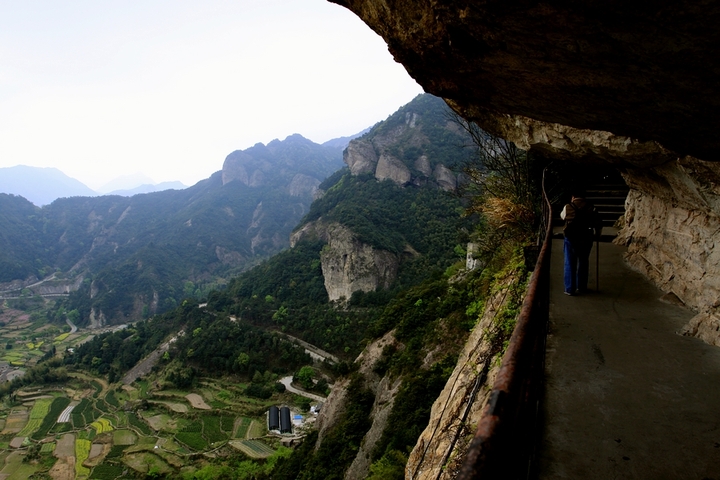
(644, 70)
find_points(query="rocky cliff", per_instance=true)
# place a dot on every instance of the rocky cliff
(442, 446)
(349, 265)
(632, 84)
(295, 165)
(416, 148)
(640, 70)
(409, 371)
(404, 149)
(384, 390)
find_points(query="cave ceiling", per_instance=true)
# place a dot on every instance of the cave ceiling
(644, 77)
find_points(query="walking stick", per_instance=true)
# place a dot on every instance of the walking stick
(597, 265)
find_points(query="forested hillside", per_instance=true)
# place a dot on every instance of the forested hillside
(143, 254)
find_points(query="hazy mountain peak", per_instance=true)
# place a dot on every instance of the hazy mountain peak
(40, 185)
(126, 182)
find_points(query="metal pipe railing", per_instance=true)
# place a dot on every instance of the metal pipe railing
(507, 434)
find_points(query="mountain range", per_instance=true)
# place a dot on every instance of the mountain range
(42, 186)
(125, 257)
(375, 265)
(148, 188)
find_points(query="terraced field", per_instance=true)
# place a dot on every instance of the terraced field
(37, 415)
(25, 340)
(92, 430)
(253, 448)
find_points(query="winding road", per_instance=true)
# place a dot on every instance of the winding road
(72, 326)
(312, 350)
(287, 381)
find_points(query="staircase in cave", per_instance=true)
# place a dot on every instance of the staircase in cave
(607, 190)
(609, 196)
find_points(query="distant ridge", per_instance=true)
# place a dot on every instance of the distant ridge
(125, 182)
(149, 188)
(343, 142)
(41, 186)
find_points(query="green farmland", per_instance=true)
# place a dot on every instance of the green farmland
(117, 428)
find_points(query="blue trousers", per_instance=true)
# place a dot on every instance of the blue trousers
(577, 264)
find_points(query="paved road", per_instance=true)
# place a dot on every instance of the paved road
(626, 396)
(312, 350)
(287, 381)
(40, 282)
(73, 328)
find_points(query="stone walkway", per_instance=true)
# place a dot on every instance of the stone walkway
(626, 397)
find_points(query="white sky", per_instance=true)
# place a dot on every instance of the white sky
(101, 88)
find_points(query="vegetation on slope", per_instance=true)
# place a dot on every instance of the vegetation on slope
(144, 254)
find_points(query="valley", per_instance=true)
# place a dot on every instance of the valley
(87, 429)
(182, 350)
(84, 427)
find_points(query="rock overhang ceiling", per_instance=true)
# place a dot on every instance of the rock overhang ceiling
(647, 71)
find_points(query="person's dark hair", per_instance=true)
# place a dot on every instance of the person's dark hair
(577, 192)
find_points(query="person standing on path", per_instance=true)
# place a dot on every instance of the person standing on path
(582, 226)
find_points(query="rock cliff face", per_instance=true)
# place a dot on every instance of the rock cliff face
(302, 185)
(441, 448)
(632, 84)
(389, 167)
(349, 265)
(672, 227)
(397, 148)
(385, 390)
(414, 147)
(295, 164)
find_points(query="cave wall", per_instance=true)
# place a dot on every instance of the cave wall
(672, 224)
(631, 84)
